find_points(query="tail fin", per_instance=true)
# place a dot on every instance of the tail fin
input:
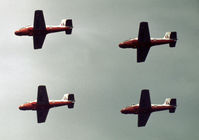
(68, 23)
(69, 97)
(173, 36)
(173, 102)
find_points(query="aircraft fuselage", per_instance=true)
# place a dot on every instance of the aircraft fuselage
(29, 31)
(134, 109)
(52, 103)
(134, 43)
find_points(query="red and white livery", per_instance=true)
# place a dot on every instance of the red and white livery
(43, 104)
(143, 43)
(145, 108)
(39, 30)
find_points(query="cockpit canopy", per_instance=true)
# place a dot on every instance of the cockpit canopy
(26, 26)
(31, 101)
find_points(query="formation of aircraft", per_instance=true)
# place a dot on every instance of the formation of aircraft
(143, 43)
(39, 30)
(43, 104)
(145, 108)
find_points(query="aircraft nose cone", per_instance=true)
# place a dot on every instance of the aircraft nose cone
(17, 33)
(21, 107)
(121, 45)
(123, 111)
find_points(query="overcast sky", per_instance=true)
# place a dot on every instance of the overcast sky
(103, 77)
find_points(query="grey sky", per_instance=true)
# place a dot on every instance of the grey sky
(103, 77)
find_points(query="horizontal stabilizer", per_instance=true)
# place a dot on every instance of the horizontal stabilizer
(68, 32)
(69, 97)
(71, 105)
(172, 102)
(173, 36)
(67, 23)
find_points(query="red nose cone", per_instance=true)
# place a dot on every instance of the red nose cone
(122, 111)
(16, 32)
(121, 45)
(21, 107)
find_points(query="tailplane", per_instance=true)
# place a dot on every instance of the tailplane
(172, 102)
(67, 23)
(173, 36)
(69, 97)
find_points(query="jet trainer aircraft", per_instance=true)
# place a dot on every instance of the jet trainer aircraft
(39, 30)
(42, 104)
(145, 108)
(143, 43)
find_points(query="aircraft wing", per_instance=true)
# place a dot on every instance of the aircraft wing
(144, 41)
(38, 41)
(42, 97)
(42, 115)
(142, 119)
(142, 52)
(145, 101)
(39, 22)
(144, 35)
